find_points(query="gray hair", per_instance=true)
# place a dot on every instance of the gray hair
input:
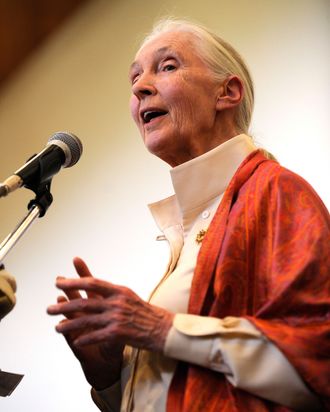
(220, 57)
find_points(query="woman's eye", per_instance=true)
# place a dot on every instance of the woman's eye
(134, 78)
(168, 67)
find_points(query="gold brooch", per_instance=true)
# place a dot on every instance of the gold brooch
(200, 236)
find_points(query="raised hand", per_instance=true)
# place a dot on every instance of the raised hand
(109, 318)
(101, 362)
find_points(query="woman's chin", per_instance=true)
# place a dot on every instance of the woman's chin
(157, 145)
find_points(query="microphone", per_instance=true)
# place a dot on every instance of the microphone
(63, 149)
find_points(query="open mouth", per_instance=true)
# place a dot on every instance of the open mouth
(149, 115)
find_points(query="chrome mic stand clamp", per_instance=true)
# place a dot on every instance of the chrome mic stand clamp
(37, 208)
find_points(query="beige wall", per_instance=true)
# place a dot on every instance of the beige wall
(78, 82)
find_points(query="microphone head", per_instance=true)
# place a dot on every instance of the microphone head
(70, 144)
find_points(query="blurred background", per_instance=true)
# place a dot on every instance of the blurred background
(63, 66)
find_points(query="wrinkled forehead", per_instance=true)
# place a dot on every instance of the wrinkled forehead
(178, 40)
(178, 43)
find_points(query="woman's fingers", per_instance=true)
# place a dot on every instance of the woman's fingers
(83, 271)
(69, 315)
(94, 288)
(70, 293)
(87, 322)
(66, 307)
(81, 267)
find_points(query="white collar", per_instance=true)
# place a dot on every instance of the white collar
(201, 179)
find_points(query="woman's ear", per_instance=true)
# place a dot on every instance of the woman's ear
(231, 93)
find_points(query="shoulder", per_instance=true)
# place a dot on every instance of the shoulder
(287, 190)
(271, 172)
(271, 175)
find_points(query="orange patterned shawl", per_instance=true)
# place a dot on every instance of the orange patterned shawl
(265, 257)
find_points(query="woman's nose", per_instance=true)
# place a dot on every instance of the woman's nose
(143, 86)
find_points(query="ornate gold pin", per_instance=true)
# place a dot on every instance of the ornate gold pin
(200, 236)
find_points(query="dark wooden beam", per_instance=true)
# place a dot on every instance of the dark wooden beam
(25, 24)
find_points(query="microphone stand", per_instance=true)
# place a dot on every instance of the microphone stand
(37, 208)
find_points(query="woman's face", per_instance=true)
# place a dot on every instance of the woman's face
(173, 98)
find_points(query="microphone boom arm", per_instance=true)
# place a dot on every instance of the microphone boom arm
(37, 208)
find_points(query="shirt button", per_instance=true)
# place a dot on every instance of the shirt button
(205, 214)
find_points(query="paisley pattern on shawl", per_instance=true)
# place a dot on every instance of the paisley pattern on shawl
(265, 257)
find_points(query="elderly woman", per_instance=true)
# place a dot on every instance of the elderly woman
(237, 323)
